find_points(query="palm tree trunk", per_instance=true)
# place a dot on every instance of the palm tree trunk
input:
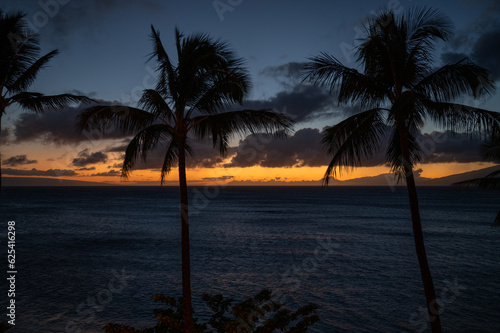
(186, 260)
(430, 293)
(1, 114)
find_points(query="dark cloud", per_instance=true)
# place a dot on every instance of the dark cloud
(302, 102)
(111, 173)
(453, 57)
(4, 134)
(489, 18)
(215, 179)
(298, 98)
(18, 160)
(446, 147)
(205, 159)
(204, 156)
(291, 70)
(462, 41)
(35, 172)
(287, 75)
(59, 19)
(304, 149)
(301, 149)
(77, 92)
(437, 147)
(58, 127)
(85, 158)
(117, 149)
(487, 52)
(86, 169)
(479, 41)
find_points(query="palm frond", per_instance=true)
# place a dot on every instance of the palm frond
(152, 101)
(490, 150)
(461, 118)
(352, 140)
(38, 102)
(394, 156)
(178, 41)
(490, 182)
(168, 77)
(383, 54)
(144, 142)
(129, 120)
(490, 153)
(210, 75)
(159, 52)
(228, 88)
(222, 126)
(28, 76)
(453, 80)
(427, 25)
(19, 47)
(171, 156)
(353, 86)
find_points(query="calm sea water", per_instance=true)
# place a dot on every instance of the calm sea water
(88, 256)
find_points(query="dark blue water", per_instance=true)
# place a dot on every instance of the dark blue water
(88, 256)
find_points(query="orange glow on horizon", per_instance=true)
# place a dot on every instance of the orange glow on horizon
(257, 175)
(61, 159)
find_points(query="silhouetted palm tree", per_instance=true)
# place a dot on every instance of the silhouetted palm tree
(491, 153)
(188, 99)
(19, 67)
(400, 89)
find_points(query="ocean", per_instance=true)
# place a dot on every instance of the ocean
(87, 256)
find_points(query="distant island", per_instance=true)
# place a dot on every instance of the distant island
(387, 179)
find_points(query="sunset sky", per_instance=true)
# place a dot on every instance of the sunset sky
(104, 46)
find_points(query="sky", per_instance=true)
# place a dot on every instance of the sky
(104, 47)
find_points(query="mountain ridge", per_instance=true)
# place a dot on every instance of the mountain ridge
(386, 179)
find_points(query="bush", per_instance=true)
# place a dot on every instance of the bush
(259, 314)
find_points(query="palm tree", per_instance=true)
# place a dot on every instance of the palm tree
(19, 67)
(490, 152)
(187, 102)
(400, 89)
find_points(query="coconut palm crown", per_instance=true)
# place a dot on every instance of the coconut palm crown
(400, 89)
(188, 102)
(20, 64)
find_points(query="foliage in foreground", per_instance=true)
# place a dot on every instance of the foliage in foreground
(258, 314)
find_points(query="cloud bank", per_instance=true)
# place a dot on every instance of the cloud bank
(85, 158)
(479, 41)
(35, 172)
(18, 160)
(58, 127)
